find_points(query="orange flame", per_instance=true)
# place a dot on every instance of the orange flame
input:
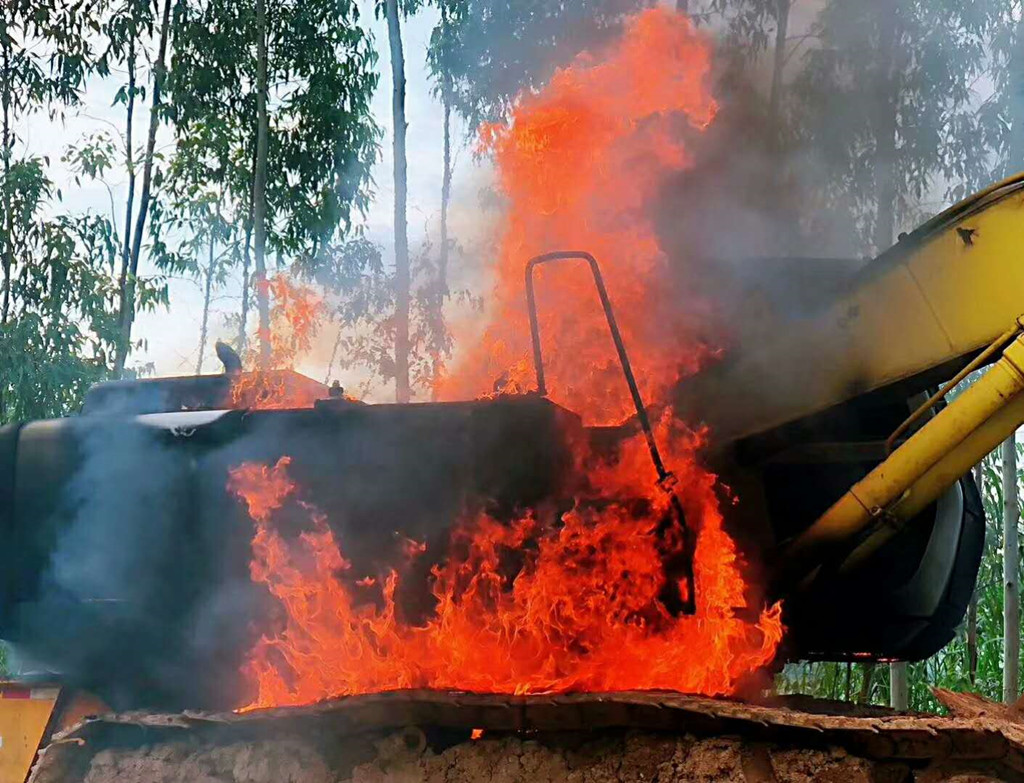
(294, 318)
(582, 613)
(578, 164)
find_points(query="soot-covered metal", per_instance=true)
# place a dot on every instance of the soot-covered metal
(127, 565)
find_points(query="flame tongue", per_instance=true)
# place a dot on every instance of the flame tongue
(579, 165)
(535, 604)
(581, 612)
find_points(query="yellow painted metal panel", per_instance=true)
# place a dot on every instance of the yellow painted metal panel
(973, 272)
(22, 723)
(948, 290)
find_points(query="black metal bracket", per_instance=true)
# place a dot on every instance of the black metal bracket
(664, 476)
(666, 480)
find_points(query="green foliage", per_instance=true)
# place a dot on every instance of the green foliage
(48, 46)
(494, 49)
(362, 295)
(1002, 114)
(62, 326)
(750, 24)
(322, 138)
(900, 72)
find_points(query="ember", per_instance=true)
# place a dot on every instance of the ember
(584, 611)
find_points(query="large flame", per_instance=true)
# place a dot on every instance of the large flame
(582, 613)
(583, 609)
(579, 165)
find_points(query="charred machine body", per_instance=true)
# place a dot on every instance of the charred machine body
(854, 473)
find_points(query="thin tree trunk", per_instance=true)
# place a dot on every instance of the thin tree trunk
(126, 251)
(446, 195)
(885, 131)
(260, 184)
(8, 217)
(781, 31)
(247, 257)
(206, 307)
(1016, 162)
(127, 314)
(899, 695)
(7, 251)
(1011, 586)
(972, 606)
(441, 293)
(402, 276)
(864, 695)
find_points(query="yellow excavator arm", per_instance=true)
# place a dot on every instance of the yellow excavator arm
(832, 423)
(924, 307)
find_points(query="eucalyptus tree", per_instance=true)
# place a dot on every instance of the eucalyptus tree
(309, 177)
(1003, 111)
(495, 49)
(887, 104)
(754, 26)
(127, 310)
(127, 27)
(441, 56)
(392, 11)
(44, 58)
(62, 330)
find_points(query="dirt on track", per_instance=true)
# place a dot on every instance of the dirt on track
(435, 737)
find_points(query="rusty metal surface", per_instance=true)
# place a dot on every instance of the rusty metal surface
(989, 740)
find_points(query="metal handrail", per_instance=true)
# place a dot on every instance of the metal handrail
(666, 480)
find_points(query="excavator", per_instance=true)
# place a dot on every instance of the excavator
(847, 416)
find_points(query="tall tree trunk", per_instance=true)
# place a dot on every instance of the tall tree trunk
(127, 314)
(1011, 585)
(898, 690)
(1016, 162)
(402, 277)
(247, 257)
(206, 307)
(446, 194)
(441, 293)
(8, 217)
(778, 62)
(972, 606)
(885, 129)
(129, 157)
(864, 695)
(260, 183)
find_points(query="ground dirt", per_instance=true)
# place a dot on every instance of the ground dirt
(424, 737)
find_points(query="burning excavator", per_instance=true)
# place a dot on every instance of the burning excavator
(841, 429)
(602, 538)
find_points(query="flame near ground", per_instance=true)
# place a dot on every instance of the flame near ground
(577, 165)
